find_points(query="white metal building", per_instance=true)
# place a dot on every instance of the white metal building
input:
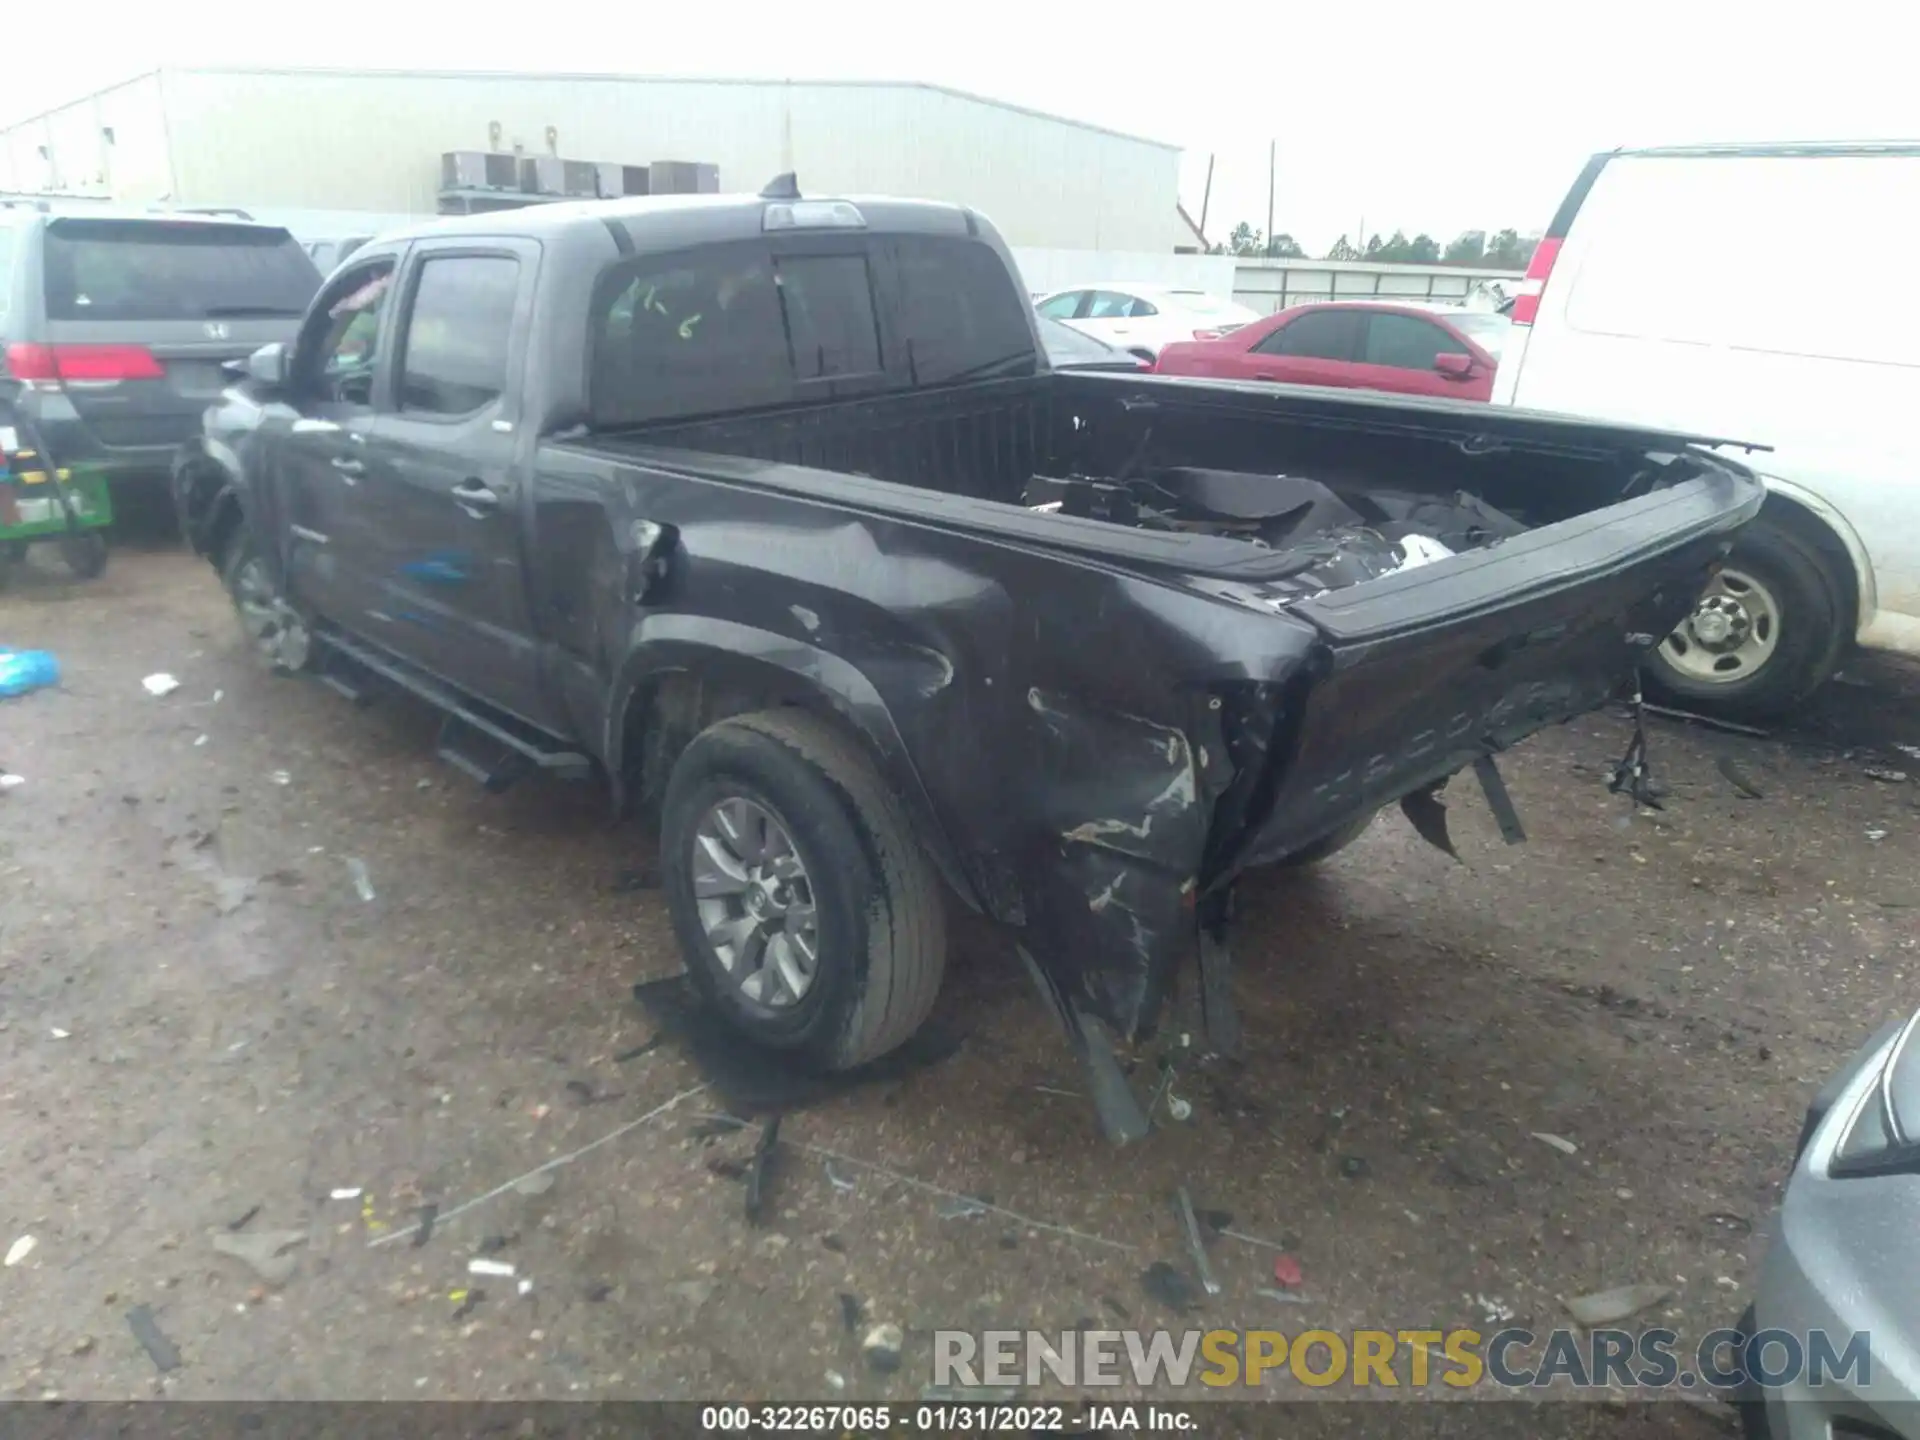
(372, 140)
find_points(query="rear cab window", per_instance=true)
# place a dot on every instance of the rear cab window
(142, 270)
(739, 327)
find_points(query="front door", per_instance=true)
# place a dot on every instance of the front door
(445, 479)
(321, 456)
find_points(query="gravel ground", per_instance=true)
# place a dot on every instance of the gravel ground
(209, 1032)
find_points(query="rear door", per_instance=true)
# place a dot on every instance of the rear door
(442, 490)
(1316, 347)
(153, 308)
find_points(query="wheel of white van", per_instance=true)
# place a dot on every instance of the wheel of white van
(278, 633)
(1762, 638)
(805, 909)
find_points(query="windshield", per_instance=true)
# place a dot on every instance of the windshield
(1488, 331)
(174, 270)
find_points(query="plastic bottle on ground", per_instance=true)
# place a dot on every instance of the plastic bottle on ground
(24, 670)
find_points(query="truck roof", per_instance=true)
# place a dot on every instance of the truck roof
(668, 222)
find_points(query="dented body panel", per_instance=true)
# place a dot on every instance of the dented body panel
(1094, 728)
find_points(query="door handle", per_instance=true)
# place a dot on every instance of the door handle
(475, 498)
(348, 467)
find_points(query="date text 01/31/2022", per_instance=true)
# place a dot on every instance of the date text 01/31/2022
(939, 1419)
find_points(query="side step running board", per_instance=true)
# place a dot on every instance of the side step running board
(494, 748)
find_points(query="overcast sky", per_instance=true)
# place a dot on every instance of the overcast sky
(1415, 116)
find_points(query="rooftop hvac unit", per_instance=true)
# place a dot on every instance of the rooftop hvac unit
(684, 177)
(479, 170)
(614, 180)
(550, 175)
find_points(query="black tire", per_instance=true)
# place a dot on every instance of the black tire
(1809, 643)
(85, 554)
(881, 937)
(1327, 846)
(1749, 1399)
(287, 646)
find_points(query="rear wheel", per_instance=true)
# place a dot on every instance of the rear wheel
(1327, 846)
(807, 913)
(1765, 635)
(277, 632)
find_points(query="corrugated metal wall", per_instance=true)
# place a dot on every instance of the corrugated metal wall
(372, 141)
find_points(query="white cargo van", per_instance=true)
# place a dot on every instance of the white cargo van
(1753, 292)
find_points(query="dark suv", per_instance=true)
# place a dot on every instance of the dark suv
(114, 327)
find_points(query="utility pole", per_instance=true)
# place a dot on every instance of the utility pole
(1273, 147)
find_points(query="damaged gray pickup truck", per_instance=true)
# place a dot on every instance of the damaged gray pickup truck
(769, 513)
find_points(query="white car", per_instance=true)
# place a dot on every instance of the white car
(1737, 341)
(1142, 318)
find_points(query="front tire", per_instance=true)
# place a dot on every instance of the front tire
(1766, 634)
(278, 633)
(806, 911)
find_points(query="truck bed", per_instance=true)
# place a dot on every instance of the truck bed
(1245, 482)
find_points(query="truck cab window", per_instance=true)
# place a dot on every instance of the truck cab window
(453, 359)
(337, 355)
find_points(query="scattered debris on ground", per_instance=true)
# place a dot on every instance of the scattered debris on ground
(1169, 1286)
(882, 1347)
(1609, 1307)
(162, 1351)
(1737, 778)
(20, 1249)
(362, 882)
(160, 684)
(1558, 1142)
(268, 1252)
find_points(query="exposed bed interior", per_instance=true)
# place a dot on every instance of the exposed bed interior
(1345, 492)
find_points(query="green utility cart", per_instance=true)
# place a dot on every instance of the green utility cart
(39, 502)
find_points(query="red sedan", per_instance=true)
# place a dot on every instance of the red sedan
(1406, 347)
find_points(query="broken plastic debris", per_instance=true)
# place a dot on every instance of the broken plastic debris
(281, 777)
(1912, 752)
(160, 684)
(1886, 776)
(1286, 1272)
(526, 1287)
(199, 740)
(1876, 833)
(961, 1209)
(20, 1249)
(1168, 1286)
(362, 882)
(1179, 1109)
(1609, 1307)
(11, 782)
(837, 1180)
(1285, 1297)
(162, 1351)
(347, 1192)
(1558, 1142)
(882, 1347)
(490, 1267)
(265, 1250)
(60, 1034)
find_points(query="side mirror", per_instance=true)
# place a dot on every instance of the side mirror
(1454, 367)
(269, 365)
